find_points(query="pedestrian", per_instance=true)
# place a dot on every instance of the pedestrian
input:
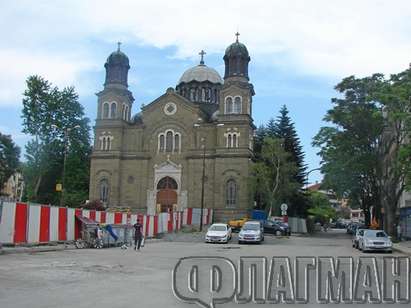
(138, 235)
(399, 232)
(99, 236)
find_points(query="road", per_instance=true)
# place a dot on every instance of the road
(125, 278)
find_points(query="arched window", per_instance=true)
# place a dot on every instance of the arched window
(104, 190)
(169, 141)
(228, 105)
(105, 111)
(231, 193)
(237, 104)
(161, 143)
(108, 144)
(103, 144)
(113, 113)
(167, 183)
(215, 96)
(176, 142)
(192, 94)
(234, 145)
(203, 94)
(229, 144)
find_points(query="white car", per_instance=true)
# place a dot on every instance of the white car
(375, 240)
(218, 233)
(251, 232)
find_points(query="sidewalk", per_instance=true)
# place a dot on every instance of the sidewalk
(35, 249)
(404, 247)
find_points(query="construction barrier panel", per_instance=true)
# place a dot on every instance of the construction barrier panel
(22, 223)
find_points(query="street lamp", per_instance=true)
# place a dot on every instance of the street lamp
(315, 169)
(65, 141)
(203, 141)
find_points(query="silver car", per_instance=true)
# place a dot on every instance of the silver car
(251, 232)
(375, 240)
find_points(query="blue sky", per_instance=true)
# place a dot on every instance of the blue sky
(298, 51)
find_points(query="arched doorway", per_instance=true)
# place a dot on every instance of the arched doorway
(167, 194)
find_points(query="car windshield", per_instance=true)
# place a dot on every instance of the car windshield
(376, 233)
(251, 227)
(217, 228)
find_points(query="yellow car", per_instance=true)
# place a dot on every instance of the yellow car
(237, 224)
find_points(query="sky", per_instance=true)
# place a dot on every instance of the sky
(299, 50)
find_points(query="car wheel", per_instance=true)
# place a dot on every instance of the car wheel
(278, 233)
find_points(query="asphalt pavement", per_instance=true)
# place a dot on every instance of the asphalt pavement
(108, 278)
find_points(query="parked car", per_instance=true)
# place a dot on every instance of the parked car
(358, 234)
(218, 233)
(276, 227)
(375, 240)
(251, 232)
(237, 224)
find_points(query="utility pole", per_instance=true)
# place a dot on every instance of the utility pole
(65, 145)
(202, 186)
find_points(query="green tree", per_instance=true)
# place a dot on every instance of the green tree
(272, 180)
(56, 120)
(284, 129)
(9, 158)
(321, 207)
(366, 151)
(349, 148)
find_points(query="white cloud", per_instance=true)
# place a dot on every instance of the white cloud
(327, 38)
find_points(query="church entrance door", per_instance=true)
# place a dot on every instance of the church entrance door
(167, 194)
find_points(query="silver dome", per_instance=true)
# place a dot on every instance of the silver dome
(201, 73)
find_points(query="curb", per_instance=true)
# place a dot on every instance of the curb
(407, 252)
(31, 250)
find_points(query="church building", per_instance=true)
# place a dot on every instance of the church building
(192, 144)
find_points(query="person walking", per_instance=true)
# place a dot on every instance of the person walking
(138, 235)
(399, 232)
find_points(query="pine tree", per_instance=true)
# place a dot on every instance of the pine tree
(285, 130)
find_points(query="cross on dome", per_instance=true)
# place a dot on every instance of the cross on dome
(237, 35)
(202, 53)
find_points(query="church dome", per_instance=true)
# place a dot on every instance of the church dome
(117, 58)
(236, 49)
(201, 73)
(117, 66)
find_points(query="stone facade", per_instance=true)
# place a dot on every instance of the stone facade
(154, 160)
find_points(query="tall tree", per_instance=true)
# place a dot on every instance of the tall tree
(366, 153)
(9, 158)
(57, 123)
(284, 129)
(272, 181)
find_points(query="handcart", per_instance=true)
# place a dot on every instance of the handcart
(113, 234)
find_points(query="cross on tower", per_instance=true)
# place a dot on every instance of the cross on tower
(237, 35)
(118, 46)
(202, 53)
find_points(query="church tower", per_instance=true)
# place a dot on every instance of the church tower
(114, 105)
(115, 101)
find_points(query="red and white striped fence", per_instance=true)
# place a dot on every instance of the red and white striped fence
(22, 223)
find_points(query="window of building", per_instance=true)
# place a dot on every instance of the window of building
(169, 141)
(229, 105)
(231, 193)
(113, 110)
(237, 104)
(177, 142)
(232, 139)
(106, 141)
(104, 190)
(167, 183)
(161, 143)
(105, 111)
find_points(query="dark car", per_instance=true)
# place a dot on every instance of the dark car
(276, 227)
